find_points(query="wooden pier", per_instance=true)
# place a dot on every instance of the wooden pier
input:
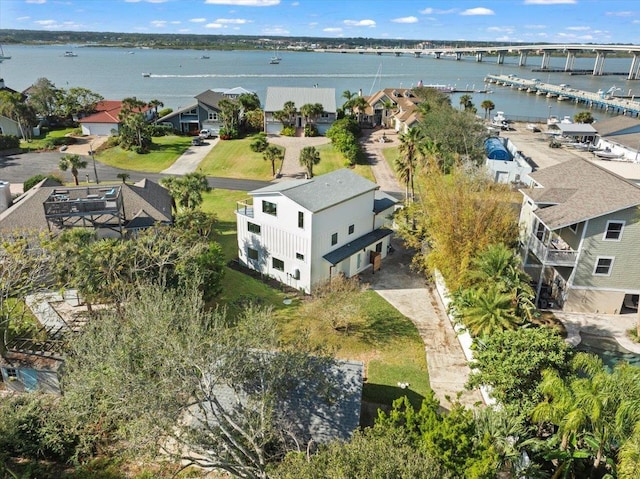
(602, 100)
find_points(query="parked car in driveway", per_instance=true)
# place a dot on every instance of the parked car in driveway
(197, 141)
(204, 133)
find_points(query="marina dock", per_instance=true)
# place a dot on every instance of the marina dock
(603, 100)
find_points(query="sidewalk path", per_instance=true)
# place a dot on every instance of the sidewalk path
(293, 146)
(410, 294)
(383, 173)
(188, 162)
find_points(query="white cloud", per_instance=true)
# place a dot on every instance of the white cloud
(214, 25)
(232, 21)
(535, 27)
(198, 20)
(46, 23)
(36, 1)
(159, 23)
(619, 14)
(245, 3)
(276, 31)
(433, 11)
(501, 29)
(332, 30)
(360, 23)
(148, 1)
(427, 11)
(405, 20)
(21, 19)
(295, 4)
(477, 11)
(547, 2)
(578, 29)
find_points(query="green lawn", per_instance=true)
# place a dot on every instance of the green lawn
(384, 339)
(43, 142)
(234, 159)
(164, 152)
(390, 154)
(331, 160)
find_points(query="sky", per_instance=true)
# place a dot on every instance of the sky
(552, 21)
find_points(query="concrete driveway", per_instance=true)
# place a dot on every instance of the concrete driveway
(418, 300)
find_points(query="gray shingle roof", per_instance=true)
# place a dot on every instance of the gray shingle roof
(582, 191)
(321, 192)
(278, 96)
(27, 213)
(211, 98)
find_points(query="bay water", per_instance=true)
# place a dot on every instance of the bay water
(177, 76)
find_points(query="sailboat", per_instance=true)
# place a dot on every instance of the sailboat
(275, 59)
(3, 56)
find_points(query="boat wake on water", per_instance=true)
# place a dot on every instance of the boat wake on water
(274, 75)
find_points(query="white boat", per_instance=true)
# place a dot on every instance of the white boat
(275, 60)
(533, 127)
(540, 93)
(3, 56)
(566, 120)
(553, 120)
(607, 154)
(146, 74)
(500, 121)
(70, 54)
(562, 98)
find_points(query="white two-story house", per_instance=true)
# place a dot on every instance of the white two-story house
(303, 232)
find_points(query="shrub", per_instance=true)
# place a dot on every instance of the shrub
(9, 142)
(34, 180)
(310, 130)
(53, 143)
(288, 131)
(160, 130)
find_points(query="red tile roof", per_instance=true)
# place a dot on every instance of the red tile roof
(107, 111)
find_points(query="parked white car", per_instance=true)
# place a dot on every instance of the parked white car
(205, 133)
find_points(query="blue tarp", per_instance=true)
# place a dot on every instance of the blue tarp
(496, 150)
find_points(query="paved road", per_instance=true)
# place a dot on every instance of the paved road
(17, 168)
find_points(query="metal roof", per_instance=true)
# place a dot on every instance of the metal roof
(321, 192)
(278, 96)
(342, 253)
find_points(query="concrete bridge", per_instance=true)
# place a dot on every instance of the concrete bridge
(599, 52)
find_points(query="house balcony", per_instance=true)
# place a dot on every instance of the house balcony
(245, 207)
(556, 253)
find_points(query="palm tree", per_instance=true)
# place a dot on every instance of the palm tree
(272, 153)
(489, 310)
(290, 111)
(387, 105)
(73, 163)
(155, 104)
(406, 162)
(348, 96)
(123, 176)
(186, 190)
(465, 102)
(487, 106)
(309, 157)
(360, 105)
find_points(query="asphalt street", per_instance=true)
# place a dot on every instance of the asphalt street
(20, 167)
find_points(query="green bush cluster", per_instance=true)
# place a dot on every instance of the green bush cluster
(288, 131)
(55, 142)
(310, 130)
(9, 142)
(344, 135)
(161, 130)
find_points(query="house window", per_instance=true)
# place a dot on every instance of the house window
(192, 112)
(277, 264)
(379, 247)
(351, 229)
(574, 227)
(269, 208)
(213, 116)
(604, 264)
(300, 256)
(613, 231)
(253, 228)
(300, 219)
(324, 115)
(334, 239)
(540, 231)
(252, 254)
(12, 373)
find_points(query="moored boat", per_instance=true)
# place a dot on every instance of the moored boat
(70, 54)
